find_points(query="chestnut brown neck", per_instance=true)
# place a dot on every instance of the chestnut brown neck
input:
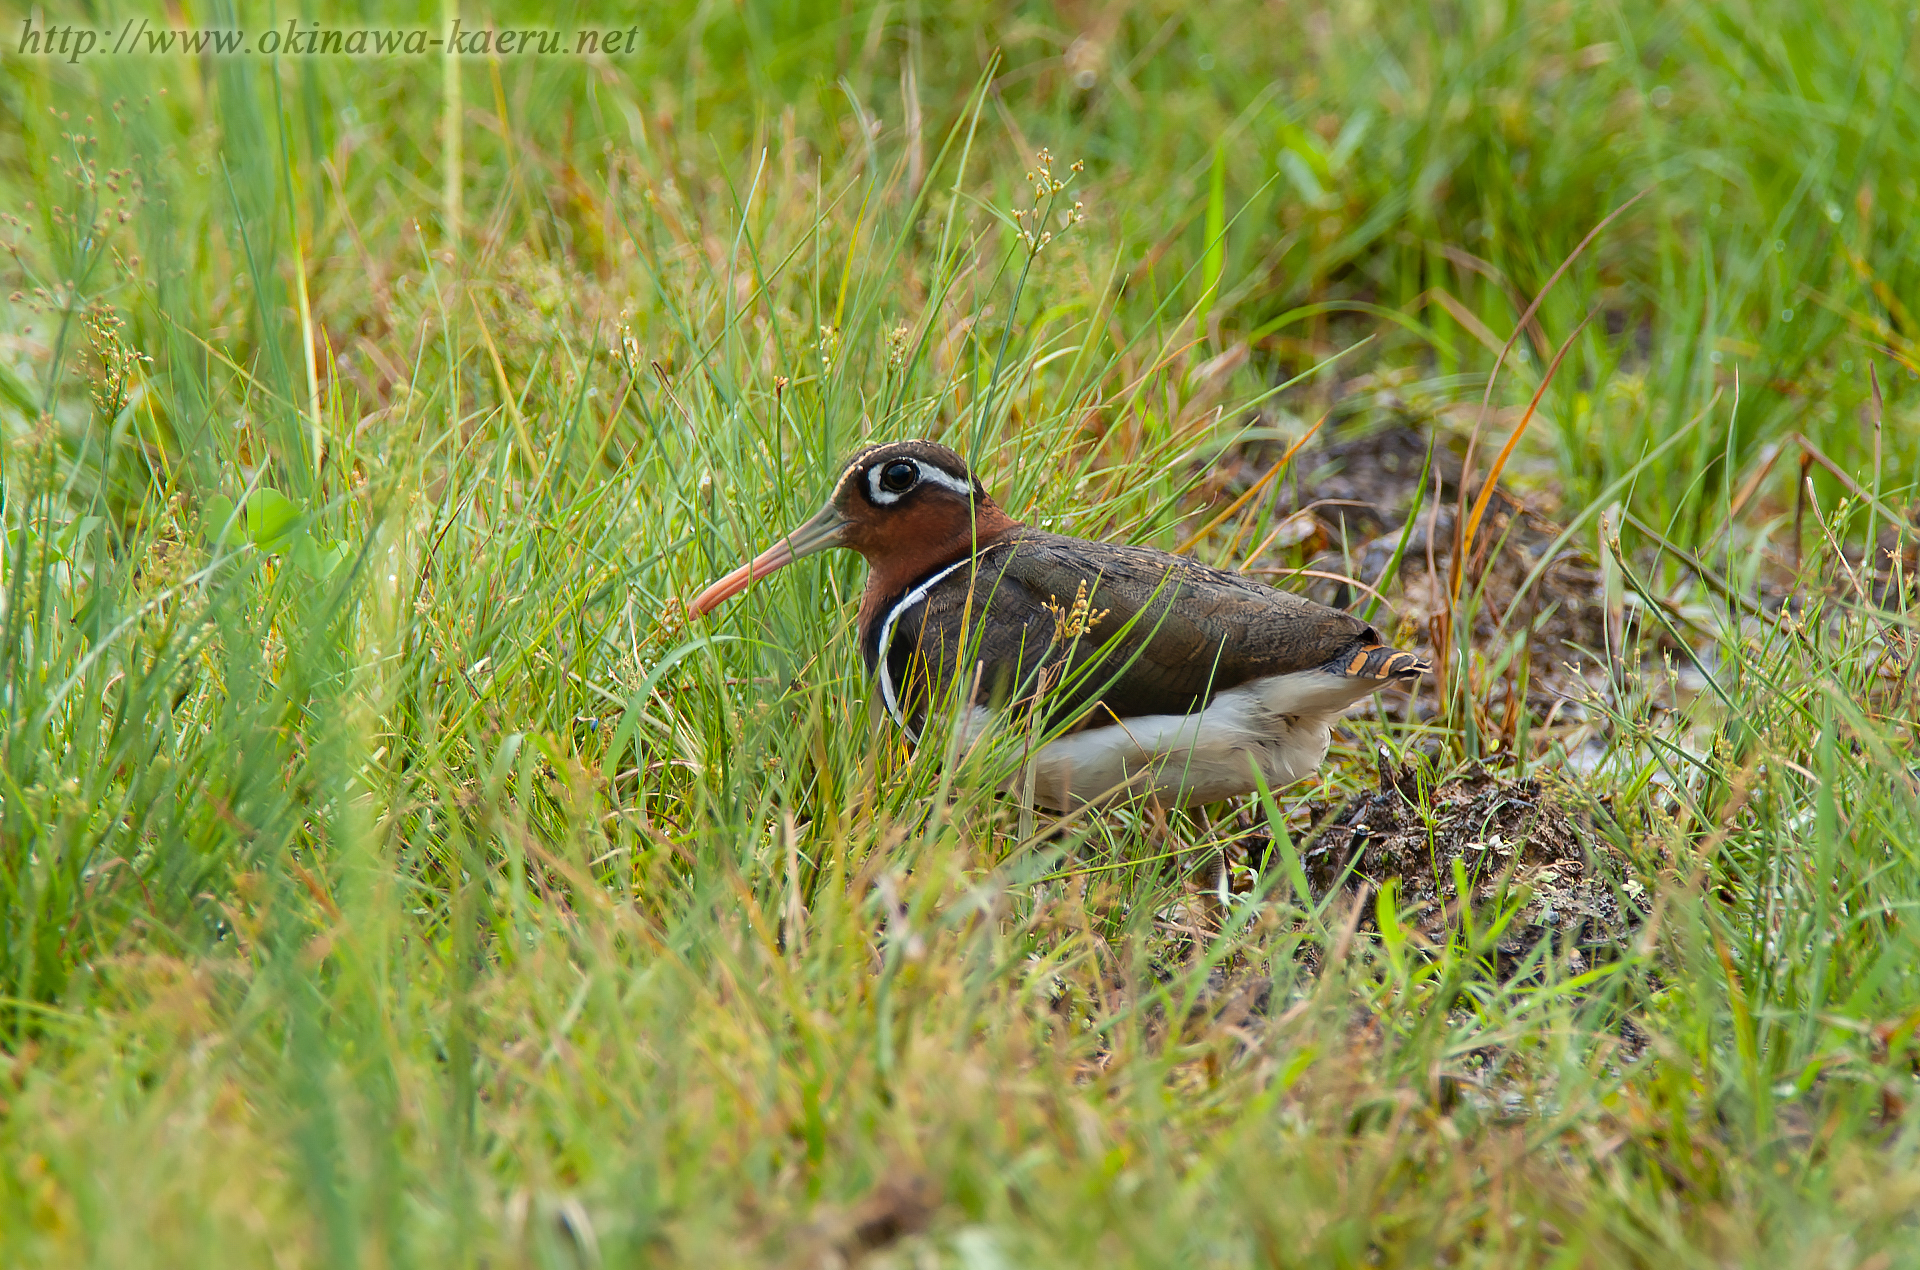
(920, 540)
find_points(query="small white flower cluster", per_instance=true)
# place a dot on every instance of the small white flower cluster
(627, 346)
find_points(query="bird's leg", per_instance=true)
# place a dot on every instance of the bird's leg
(1216, 893)
(1245, 826)
(1157, 823)
(1253, 835)
(1216, 860)
(1167, 842)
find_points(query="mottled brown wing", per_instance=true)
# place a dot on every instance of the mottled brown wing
(1188, 630)
(1161, 635)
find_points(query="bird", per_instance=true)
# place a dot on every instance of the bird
(1150, 673)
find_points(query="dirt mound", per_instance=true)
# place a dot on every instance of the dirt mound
(1513, 839)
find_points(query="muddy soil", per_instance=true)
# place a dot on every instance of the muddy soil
(1364, 484)
(1524, 842)
(1363, 494)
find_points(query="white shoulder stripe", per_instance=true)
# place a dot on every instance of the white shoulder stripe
(881, 672)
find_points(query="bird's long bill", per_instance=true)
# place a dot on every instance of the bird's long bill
(823, 531)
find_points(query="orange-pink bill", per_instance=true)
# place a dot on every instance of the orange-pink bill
(818, 534)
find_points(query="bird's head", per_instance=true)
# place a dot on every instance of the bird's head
(907, 506)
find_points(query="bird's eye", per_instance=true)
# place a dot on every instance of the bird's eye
(899, 477)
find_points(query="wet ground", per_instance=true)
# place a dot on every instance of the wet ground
(1373, 505)
(1532, 858)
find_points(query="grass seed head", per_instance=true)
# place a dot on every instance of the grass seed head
(1046, 188)
(899, 343)
(118, 362)
(1073, 620)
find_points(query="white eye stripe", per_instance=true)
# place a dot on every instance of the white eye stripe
(927, 476)
(935, 476)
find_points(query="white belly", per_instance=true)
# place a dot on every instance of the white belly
(1280, 725)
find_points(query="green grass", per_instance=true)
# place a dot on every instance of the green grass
(387, 878)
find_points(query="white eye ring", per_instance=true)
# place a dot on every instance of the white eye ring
(880, 494)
